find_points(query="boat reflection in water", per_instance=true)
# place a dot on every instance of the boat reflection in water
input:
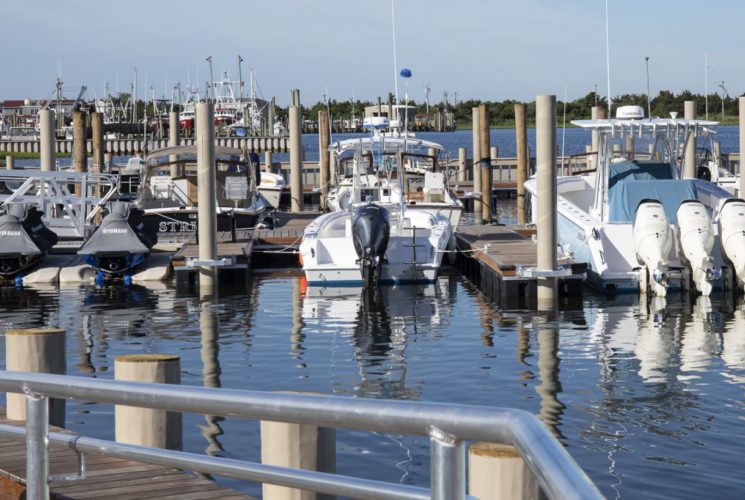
(380, 322)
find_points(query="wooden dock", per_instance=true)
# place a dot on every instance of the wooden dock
(493, 257)
(106, 477)
(276, 248)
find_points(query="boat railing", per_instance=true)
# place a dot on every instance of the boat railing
(582, 163)
(447, 426)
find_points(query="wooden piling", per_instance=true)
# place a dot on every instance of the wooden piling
(498, 472)
(146, 426)
(324, 138)
(38, 350)
(689, 169)
(10, 162)
(521, 137)
(296, 97)
(108, 162)
(268, 161)
(296, 161)
(98, 144)
(547, 197)
(297, 446)
(48, 140)
(462, 164)
(206, 191)
(174, 127)
(80, 142)
(476, 156)
(485, 163)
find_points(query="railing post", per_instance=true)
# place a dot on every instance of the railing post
(37, 453)
(447, 467)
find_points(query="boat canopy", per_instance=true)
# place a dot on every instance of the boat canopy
(390, 144)
(189, 153)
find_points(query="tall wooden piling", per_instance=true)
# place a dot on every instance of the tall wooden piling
(741, 101)
(145, 426)
(174, 128)
(206, 191)
(485, 163)
(592, 159)
(297, 446)
(521, 138)
(324, 138)
(98, 144)
(462, 164)
(48, 140)
(547, 197)
(268, 161)
(10, 162)
(108, 161)
(498, 472)
(270, 117)
(39, 350)
(476, 156)
(689, 169)
(296, 97)
(296, 161)
(79, 142)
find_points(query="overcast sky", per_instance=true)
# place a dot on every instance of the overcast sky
(482, 49)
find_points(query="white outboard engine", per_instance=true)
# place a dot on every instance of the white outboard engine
(732, 236)
(653, 241)
(695, 241)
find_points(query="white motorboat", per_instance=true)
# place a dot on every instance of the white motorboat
(425, 186)
(374, 240)
(613, 218)
(271, 188)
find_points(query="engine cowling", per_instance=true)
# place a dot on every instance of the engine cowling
(732, 236)
(370, 233)
(695, 242)
(653, 241)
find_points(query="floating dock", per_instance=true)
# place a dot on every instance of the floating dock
(105, 477)
(501, 261)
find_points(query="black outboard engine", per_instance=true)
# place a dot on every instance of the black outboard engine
(121, 242)
(370, 233)
(23, 238)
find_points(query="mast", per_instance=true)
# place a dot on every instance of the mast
(240, 79)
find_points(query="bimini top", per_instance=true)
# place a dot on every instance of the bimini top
(189, 153)
(643, 124)
(391, 145)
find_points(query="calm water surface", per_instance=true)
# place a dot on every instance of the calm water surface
(649, 399)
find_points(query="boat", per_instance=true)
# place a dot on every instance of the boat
(374, 240)
(121, 242)
(425, 186)
(271, 187)
(24, 239)
(638, 225)
(168, 193)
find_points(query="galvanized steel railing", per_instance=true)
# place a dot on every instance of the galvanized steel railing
(447, 425)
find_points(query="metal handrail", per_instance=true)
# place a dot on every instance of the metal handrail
(447, 426)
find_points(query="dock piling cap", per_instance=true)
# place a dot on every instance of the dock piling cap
(146, 358)
(34, 331)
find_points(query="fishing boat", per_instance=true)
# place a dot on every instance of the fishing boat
(24, 239)
(423, 186)
(168, 193)
(636, 222)
(374, 240)
(271, 187)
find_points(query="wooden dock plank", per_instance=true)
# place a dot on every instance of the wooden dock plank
(107, 477)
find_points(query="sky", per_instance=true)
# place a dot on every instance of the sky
(480, 49)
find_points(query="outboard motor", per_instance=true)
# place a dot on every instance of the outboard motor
(695, 241)
(653, 241)
(370, 233)
(23, 238)
(732, 236)
(121, 242)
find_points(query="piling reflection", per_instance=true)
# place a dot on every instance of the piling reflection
(209, 324)
(547, 335)
(733, 345)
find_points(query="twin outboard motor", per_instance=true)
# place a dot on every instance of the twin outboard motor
(370, 233)
(695, 242)
(23, 238)
(653, 241)
(121, 242)
(732, 236)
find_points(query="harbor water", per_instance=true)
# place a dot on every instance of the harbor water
(649, 399)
